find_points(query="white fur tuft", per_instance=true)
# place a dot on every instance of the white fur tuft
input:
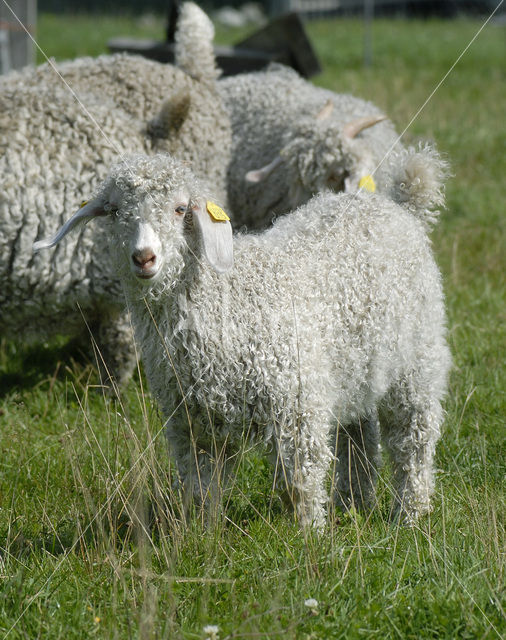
(194, 44)
(418, 177)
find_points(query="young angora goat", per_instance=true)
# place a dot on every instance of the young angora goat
(334, 313)
(54, 151)
(291, 140)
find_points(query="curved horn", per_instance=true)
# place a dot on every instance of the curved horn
(354, 127)
(258, 175)
(89, 210)
(325, 111)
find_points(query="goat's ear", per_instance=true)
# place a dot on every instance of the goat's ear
(171, 117)
(213, 226)
(88, 210)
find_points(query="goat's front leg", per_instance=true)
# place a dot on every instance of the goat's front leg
(201, 467)
(302, 463)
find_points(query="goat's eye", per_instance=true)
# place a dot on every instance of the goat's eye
(180, 210)
(111, 208)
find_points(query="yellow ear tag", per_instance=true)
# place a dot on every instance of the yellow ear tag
(216, 212)
(83, 203)
(367, 182)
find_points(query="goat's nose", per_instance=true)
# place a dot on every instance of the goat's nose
(143, 258)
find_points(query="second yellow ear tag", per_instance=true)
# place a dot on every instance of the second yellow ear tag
(367, 182)
(216, 212)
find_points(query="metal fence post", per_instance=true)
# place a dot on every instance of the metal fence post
(16, 46)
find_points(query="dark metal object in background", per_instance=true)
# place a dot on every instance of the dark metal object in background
(172, 19)
(283, 39)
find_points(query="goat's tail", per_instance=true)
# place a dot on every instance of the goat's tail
(418, 177)
(194, 51)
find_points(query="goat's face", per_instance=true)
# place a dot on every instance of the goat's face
(316, 160)
(155, 217)
(146, 233)
(312, 160)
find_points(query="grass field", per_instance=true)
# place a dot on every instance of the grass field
(86, 547)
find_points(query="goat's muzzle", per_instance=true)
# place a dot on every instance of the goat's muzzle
(144, 261)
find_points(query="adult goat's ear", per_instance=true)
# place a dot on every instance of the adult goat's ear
(171, 117)
(89, 210)
(215, 231)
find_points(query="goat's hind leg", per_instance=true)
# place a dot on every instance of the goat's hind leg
(356, 448)
(410, 431)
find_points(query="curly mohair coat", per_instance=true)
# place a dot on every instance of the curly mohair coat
(53, 152)
(333, 314)
(174, 108)
(292, 140)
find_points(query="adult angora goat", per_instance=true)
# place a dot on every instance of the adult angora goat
(55, 150)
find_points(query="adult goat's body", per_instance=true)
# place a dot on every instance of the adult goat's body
(56, 146)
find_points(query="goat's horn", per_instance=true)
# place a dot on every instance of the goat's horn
(353, 128)
(258, 175)
(325, 111)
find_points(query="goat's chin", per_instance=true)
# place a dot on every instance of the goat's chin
(146, 277)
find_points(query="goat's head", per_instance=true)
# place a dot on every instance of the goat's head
(157, 219)
(322, 154)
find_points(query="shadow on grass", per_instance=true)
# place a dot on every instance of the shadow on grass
(117, 527)
(21, 542)
(22, 366)
(69, 536)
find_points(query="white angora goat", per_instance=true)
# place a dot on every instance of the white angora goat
(333, 314)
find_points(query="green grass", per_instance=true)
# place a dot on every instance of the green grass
(88, 543)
